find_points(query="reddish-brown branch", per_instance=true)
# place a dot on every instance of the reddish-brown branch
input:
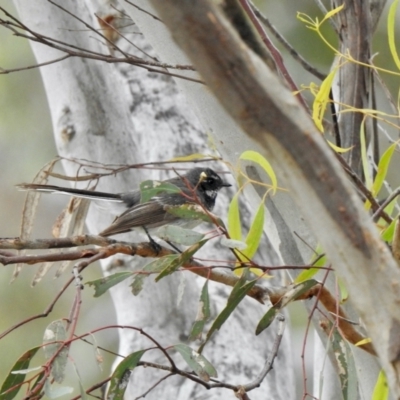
(112, 247)
(343, 323)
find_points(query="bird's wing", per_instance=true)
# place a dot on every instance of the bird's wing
(151, 214)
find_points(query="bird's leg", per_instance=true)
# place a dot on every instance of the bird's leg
(173, 246)
(156, 247)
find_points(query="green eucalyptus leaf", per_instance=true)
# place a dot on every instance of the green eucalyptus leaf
(198, 363)
(292, 293)
(267, 319)
(150, 189)
(238, 293)
(181, 259)
(203, 314)
(120, 377)
(53, 339)
(15, 377)
(102, 285)
(178, 235)
(155, 266)
(345, 365)
(52, 392)
(189, 211)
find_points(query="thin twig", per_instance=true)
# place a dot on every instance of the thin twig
(296, 56)
(75, 51)
(363, 189)
(144, 11)
(162, 379)
(112, 44)
(43, 64)
(274, 52)
(392, 196)
(335, 121)
(119, 168)
(44, 314)
(270, 360)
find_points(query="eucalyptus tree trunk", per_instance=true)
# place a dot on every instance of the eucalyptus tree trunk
(119, 114)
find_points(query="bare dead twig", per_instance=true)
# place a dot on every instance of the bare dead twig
(144, 11)
(114, 169)
(16, 26)
(88, 26)
(56, 60)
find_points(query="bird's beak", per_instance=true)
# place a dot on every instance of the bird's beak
(225, 184)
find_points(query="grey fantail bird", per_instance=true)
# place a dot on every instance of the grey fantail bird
(198, 186)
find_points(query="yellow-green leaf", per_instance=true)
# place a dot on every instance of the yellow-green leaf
(363, 341)
(339, 150)
(383, 167)
(255, 232)
(257, 158)
(191, 157)
(306, 19)
(381, 389)
(309, 273)
(322, 99)
(253, 239)
(344, 294)
(391, 33)
(306, 275)
(234, 225)
(331, 13)
(390, 207)
(388, 233)
(364, 158)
